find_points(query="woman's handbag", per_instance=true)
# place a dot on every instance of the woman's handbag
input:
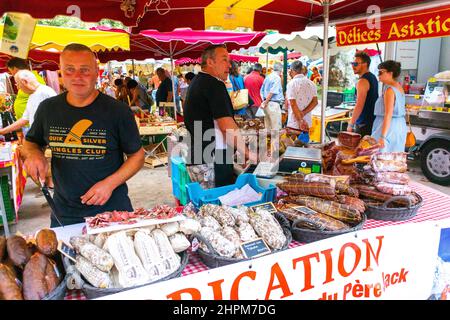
(410, 137)
(239, 98)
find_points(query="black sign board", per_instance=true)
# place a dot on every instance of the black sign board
(304, 210)
(266, 206)
(67, 250)
(255, 248)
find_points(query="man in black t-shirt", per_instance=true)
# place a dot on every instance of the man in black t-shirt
(208, 115)
(165, 90)
(88, 133)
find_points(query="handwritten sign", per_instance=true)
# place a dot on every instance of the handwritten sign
(255, 248)
(67, 251)
(269, 206)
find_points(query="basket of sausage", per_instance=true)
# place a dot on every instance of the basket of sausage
(32, 268)
(396, 208)
(109, 263)
(315, 219)
(225, 229)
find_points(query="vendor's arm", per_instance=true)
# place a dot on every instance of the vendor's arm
(389, 99)
(362, 88)
(233, 137)
(100, 192)
(35, 163)
(14, 126)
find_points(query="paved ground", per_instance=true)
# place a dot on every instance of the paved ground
(148, 188)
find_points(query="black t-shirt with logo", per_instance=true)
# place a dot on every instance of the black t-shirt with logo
(207, 99)
(88, 145)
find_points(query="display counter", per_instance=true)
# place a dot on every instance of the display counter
(400, 238)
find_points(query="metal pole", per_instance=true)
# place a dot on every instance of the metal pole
(132, 66)
(172, 72)
(326, 14)
(267, 60)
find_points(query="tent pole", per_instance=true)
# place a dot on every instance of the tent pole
(267, 60)
(172, 73)
(132, 66)
(285, 63)
(326, 10)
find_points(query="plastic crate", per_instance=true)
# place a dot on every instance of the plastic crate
(180, 178)
(7, 201)
(199, 197)
(349, 95)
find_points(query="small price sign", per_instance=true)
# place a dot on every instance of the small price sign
(269, 206)
(255, 248)
(67, 250)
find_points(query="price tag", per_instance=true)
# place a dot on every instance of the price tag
(432, 80)
(417, 97)
(429, 108)
(269, 206)
(255, 248)
(67, 251)
(440, 109)
(304, 210)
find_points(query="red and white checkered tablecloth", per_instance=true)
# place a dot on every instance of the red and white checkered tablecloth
(436, 206)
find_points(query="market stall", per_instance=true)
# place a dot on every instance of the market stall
(198, 274)
(427, 103)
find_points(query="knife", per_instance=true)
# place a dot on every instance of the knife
(51, 203)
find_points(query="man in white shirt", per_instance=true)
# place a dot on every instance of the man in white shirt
(28, 83)
(302, 96)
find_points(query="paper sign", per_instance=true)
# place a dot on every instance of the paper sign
(255, 248)
(17, 33)
(67, 251)
(266, 206)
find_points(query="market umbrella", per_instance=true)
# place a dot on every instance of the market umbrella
(126, 11)
(40, 60)
(183, 42)
(46, 37)
(179, 43)
(233, 56)
(283, 15)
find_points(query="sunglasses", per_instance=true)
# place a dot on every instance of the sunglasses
(355, 64)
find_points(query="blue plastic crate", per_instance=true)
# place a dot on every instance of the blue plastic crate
(199, 197)
(180, 178)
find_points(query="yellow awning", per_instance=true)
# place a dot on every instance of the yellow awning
(47, 37)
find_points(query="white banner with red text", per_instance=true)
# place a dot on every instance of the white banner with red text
(394, 262)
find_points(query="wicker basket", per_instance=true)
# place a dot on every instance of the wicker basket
(308, 235)
(213, 260)
(394, 214)
(60, 291)
(92, 292)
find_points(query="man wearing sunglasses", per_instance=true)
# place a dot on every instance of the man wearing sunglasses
(366, 96)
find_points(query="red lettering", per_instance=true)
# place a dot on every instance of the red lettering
(278, 273)
(329, 265)
(195, 294)
(307, 266)
(234, 294)
(217, 289)
(369, 250)
(341, 268)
